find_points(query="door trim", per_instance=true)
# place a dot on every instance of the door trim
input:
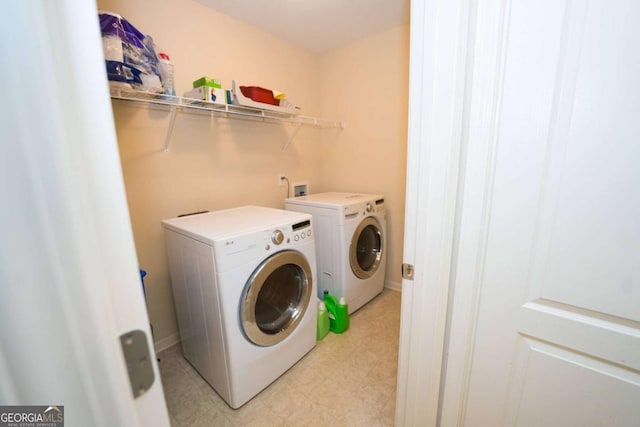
(490, 35)
(436, 106)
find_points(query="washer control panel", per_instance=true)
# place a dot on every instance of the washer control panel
(301, 235)
(301, 230)
(295, 233)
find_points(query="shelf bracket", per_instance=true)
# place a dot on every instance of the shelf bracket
(172, 122)
(293, 135)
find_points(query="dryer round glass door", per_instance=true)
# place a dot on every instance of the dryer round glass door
(365, 251)
(276, 298)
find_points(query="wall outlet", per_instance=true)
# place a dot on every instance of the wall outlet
(282, 180)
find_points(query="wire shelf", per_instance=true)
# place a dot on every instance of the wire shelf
(239, 111)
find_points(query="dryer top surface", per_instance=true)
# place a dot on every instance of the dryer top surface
(334, 199)
(219, 225)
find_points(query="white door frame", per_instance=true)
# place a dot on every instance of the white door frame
(483, 104)
(68, 268)
(438, 61)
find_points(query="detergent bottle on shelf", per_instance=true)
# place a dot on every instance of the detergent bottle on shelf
(338, 313)
(323, 321)
(166, 74)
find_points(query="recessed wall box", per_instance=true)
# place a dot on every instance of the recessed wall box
(300, 188)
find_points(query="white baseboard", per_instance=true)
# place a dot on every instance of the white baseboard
(166, 342)
(394, 286)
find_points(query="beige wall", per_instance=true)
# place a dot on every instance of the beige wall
(216, 163)
(366, 84)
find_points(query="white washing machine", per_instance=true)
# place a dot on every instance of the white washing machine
(350, 243)
(244, 290)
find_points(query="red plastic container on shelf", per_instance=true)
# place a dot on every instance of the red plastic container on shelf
(259, 94)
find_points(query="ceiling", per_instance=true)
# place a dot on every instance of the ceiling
(317, 25)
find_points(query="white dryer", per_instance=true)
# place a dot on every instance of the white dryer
(244, 291)
(350, 243)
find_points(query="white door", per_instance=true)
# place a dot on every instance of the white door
(523, 215)
(545, 327)
(69, 281)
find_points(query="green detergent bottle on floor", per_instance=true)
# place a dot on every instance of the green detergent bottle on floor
(338, 313)
(323, 321)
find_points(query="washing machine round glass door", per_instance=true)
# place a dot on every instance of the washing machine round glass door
(365, 251)
(276, 297)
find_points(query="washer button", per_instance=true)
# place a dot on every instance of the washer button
(309, 233)
(296, 238)
(302, 235)
(368, 207)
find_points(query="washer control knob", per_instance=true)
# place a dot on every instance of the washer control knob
(277, 237)
(368, 207)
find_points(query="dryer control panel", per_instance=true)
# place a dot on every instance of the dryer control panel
(373, 206)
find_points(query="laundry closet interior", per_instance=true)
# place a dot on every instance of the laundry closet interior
(214, 162)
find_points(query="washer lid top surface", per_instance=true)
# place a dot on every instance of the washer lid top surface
(333, 199)
(223, 224)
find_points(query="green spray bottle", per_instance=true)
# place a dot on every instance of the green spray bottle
(338, 313)
(323, 321)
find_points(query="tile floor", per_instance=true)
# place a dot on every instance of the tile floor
(346, 380)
